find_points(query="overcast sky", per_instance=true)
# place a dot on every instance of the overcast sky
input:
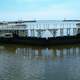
(39, 9)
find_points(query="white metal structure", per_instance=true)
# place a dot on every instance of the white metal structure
(41, 27)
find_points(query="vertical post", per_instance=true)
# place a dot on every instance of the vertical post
(61, 31)
(54, 32)
(68, 31)
(32, 30)
(26, 32)
(29, 32)
(32, 33)
(78, 31)
(74, 31)
(39, 33)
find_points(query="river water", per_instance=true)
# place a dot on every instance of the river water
(19, 62)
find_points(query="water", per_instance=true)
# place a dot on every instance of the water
(18, 62)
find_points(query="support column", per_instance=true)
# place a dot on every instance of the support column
(74, 31)
(39, 33)
(68, 31)
(32, 33)
(61, 31)
(78, 31)
(26, 32)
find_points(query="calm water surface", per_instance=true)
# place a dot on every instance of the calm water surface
(18, 62)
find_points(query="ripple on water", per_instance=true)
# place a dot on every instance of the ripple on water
(29, 63)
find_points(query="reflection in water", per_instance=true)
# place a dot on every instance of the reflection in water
(31, 63)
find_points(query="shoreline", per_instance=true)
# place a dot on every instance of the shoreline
(62, 40)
